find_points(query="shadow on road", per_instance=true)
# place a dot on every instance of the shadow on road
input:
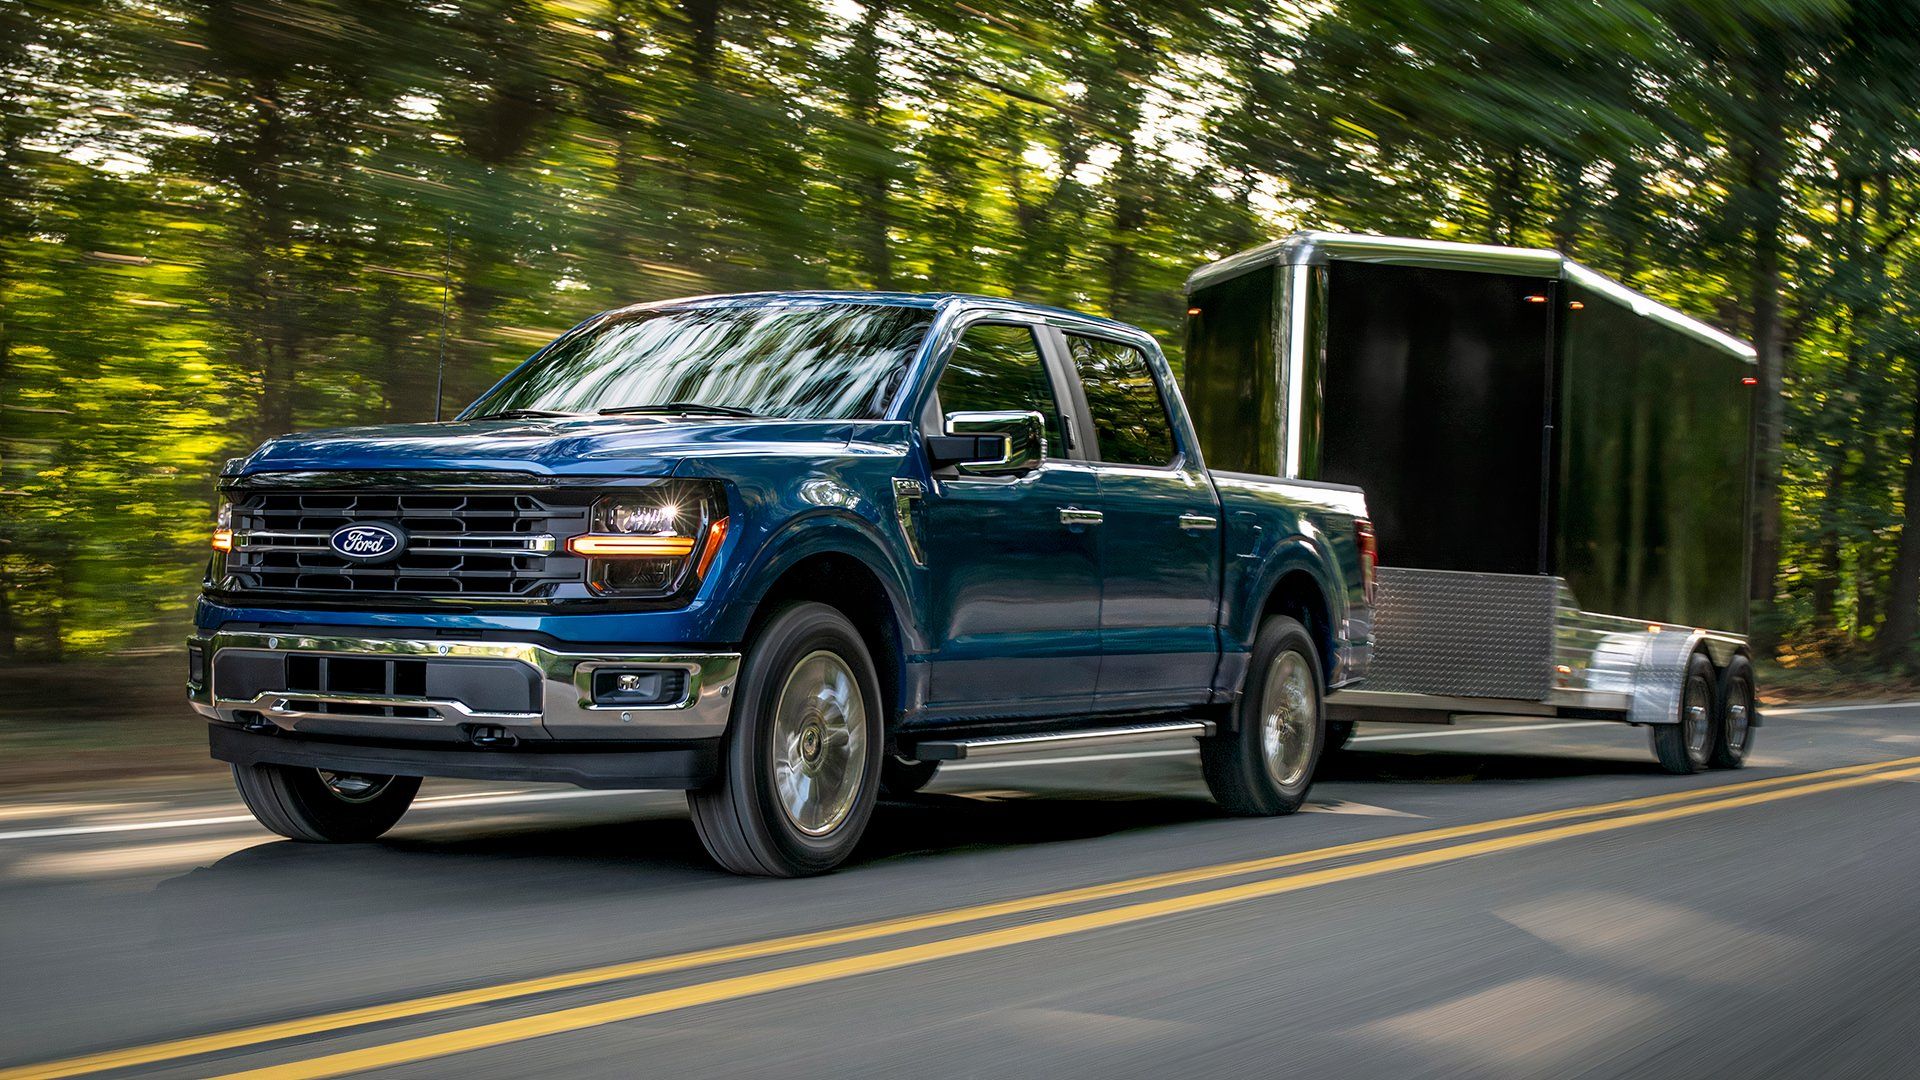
(1359, 765)
(661, 851)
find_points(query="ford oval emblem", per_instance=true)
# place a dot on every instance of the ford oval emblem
(368, 542)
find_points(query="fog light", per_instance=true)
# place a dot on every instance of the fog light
(639, 686)
(197, 664)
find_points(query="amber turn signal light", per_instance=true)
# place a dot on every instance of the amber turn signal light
(716, 533)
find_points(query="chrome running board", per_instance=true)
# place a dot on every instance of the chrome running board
(998, 745)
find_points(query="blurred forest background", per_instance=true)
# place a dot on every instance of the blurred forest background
(225, 219)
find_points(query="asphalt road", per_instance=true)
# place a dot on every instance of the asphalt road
(1495, 899)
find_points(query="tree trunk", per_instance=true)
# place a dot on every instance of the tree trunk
(1573, 205)
(1903, 596)
(873, 183)
(1764, 183)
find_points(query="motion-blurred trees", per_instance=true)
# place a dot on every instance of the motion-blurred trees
(223, 219)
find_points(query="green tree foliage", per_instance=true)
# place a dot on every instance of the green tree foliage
(220, 220)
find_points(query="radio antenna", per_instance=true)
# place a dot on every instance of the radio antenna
(446, 289)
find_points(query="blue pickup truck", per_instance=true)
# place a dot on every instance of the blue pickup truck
(787, 552)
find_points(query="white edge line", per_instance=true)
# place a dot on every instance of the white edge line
(436, 802)
(1799, 710)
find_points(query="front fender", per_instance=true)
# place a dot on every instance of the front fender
(824, 531)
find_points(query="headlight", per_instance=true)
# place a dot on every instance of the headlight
(652, 541)
(223, 527)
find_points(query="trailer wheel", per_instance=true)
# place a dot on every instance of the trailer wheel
(316, 806)
(903, 776)
(1266, 766)
(1684, 746)
(800, 764)
(1733, 715)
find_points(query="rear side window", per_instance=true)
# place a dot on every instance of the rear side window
(997, 367)
(1128, 413)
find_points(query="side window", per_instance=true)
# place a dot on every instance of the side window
(996, 367)
(1128, 413)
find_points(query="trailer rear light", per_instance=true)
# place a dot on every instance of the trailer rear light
(1369, 554)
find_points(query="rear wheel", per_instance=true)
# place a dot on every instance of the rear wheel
(904, 776)
(1684, 747)
(321, 807)
(1733, 715)
(1267, 766)
(800, 765)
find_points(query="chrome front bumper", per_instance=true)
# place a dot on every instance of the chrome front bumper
(564, 682)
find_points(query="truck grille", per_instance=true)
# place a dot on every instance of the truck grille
(459, 544)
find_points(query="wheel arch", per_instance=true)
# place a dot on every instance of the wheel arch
(834, 562)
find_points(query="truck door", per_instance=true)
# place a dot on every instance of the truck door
(1014, 560)
(1160, 542)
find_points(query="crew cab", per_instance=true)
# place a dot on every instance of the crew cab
(787, 552)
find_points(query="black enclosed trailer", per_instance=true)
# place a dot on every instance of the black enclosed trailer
(1558, 470)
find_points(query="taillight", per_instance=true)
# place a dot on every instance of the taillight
(1369, 554)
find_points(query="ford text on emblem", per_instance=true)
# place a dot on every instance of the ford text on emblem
(368, 542)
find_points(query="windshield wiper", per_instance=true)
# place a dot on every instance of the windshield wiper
(522, 414)
(680, 407)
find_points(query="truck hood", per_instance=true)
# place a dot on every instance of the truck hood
(595, 445)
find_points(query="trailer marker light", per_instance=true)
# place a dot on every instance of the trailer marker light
(1576, 305)
(1536, 298)
(1193, 311)
(1749, 381)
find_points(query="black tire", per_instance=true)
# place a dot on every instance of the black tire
(903, 776)
(1683, 747)
(1339, 734)
(742, 817)
(1236, 763)
(332, 808)
(1733, 711)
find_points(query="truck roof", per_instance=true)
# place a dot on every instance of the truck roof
(930, 300)
(1316, 248)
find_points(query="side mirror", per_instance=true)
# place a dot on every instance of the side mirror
(990, 443)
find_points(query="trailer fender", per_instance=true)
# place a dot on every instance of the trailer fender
(1648, 665)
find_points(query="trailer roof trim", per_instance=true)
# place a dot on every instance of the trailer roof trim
(1317, 248)
(1654, 309)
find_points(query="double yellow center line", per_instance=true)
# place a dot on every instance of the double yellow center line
(1438, 846)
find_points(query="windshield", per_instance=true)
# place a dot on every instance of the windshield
(806, 362)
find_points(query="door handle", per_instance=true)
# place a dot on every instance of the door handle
(1073, 516)
(1199, 522)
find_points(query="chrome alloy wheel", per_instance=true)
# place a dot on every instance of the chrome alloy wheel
(1739, 713)
(819, 743)
(1696, 713)
(354, 787)
(1288, 720)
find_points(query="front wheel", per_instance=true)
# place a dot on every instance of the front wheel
(800, 766)
(317, 806)
(1266, 766)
